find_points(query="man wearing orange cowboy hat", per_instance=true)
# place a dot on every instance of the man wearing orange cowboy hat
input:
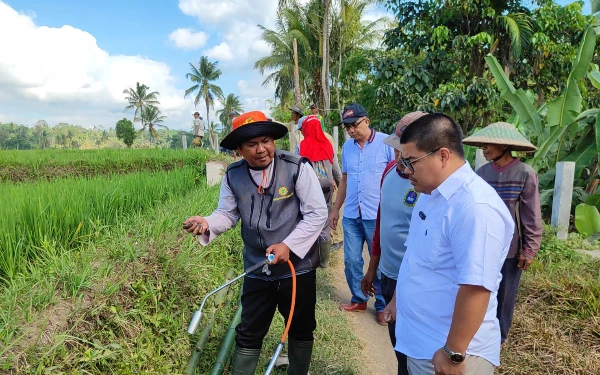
(278, 198)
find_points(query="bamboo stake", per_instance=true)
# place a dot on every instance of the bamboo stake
(228, 342)
(197, 353)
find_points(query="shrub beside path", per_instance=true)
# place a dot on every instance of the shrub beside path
(379, 357)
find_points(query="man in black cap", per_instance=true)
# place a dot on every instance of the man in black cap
(364, 158)
(278, 198)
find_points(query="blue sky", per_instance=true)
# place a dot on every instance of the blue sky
(132, 27)
(69, 61)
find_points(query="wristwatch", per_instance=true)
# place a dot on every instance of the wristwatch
(454, 357)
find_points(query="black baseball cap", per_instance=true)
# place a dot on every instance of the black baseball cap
(353, 112)
(313, 106)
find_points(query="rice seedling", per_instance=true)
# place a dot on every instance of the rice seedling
(64, 213)
(32, 165)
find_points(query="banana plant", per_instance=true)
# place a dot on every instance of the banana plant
(587, 219)
(517, 98)
(563, 112)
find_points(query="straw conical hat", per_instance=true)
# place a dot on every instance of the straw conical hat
(500, 133)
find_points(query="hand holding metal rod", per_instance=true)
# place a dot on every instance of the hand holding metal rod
(198, 314)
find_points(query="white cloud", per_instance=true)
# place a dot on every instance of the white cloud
(254, 95)
(220, 52)
(237, 24)
(188, 39)
(62, 74)
(229, 11)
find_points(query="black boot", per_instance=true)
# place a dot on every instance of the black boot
(299, 353)
(245, 361)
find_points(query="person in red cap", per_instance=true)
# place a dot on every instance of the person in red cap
(278, 198)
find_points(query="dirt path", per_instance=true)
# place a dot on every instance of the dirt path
(378, 353)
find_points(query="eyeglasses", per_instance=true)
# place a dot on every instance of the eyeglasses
(409, 163)
(354, 124)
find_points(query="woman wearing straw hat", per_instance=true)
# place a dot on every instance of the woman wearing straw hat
(517, 185)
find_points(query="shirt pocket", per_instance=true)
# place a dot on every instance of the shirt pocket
(429, 245)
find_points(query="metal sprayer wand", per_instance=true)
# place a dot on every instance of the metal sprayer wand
(198, 314)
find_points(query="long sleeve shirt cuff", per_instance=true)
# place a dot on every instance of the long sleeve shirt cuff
(529, 253)
(217, 224)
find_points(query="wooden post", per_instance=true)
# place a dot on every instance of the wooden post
(292, 136)
(215, 142)
(563, 194)
(214, 172)
(336, 139)
(479, 159)
(184, 141)
(296, 74)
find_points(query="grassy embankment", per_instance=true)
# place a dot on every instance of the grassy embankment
(556, 327)
(119, 299)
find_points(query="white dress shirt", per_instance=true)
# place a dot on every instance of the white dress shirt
(459, 234)
(312, 207)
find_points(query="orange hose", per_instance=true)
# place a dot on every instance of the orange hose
(289, 322)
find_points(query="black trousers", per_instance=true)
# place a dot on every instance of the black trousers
(260, 298)
(388, 287)
(507, 295)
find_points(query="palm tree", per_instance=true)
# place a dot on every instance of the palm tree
(152, 117)
(230, 103)
(348, 33)
(202, 76)
(138, 98)
(210, 131)
(302, 24)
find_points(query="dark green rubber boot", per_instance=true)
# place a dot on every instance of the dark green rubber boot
(324, 252)
(245, 361)
(299, 353)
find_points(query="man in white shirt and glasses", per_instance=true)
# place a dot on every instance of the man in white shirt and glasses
(460, 232)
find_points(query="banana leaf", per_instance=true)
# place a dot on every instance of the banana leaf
(564, 109)
(583, 155)
(597, 130)
(593, 200)
(517, 98)
(595, 78)
(588, 113)
(544, 148)
(587, 219)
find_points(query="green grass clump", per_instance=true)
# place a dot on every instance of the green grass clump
(129, 313)
(44, 216)
(32, 165)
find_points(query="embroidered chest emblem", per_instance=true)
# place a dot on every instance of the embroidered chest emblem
(284, 193)
(410, 199)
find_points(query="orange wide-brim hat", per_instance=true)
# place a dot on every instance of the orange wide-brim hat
(250, 125)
